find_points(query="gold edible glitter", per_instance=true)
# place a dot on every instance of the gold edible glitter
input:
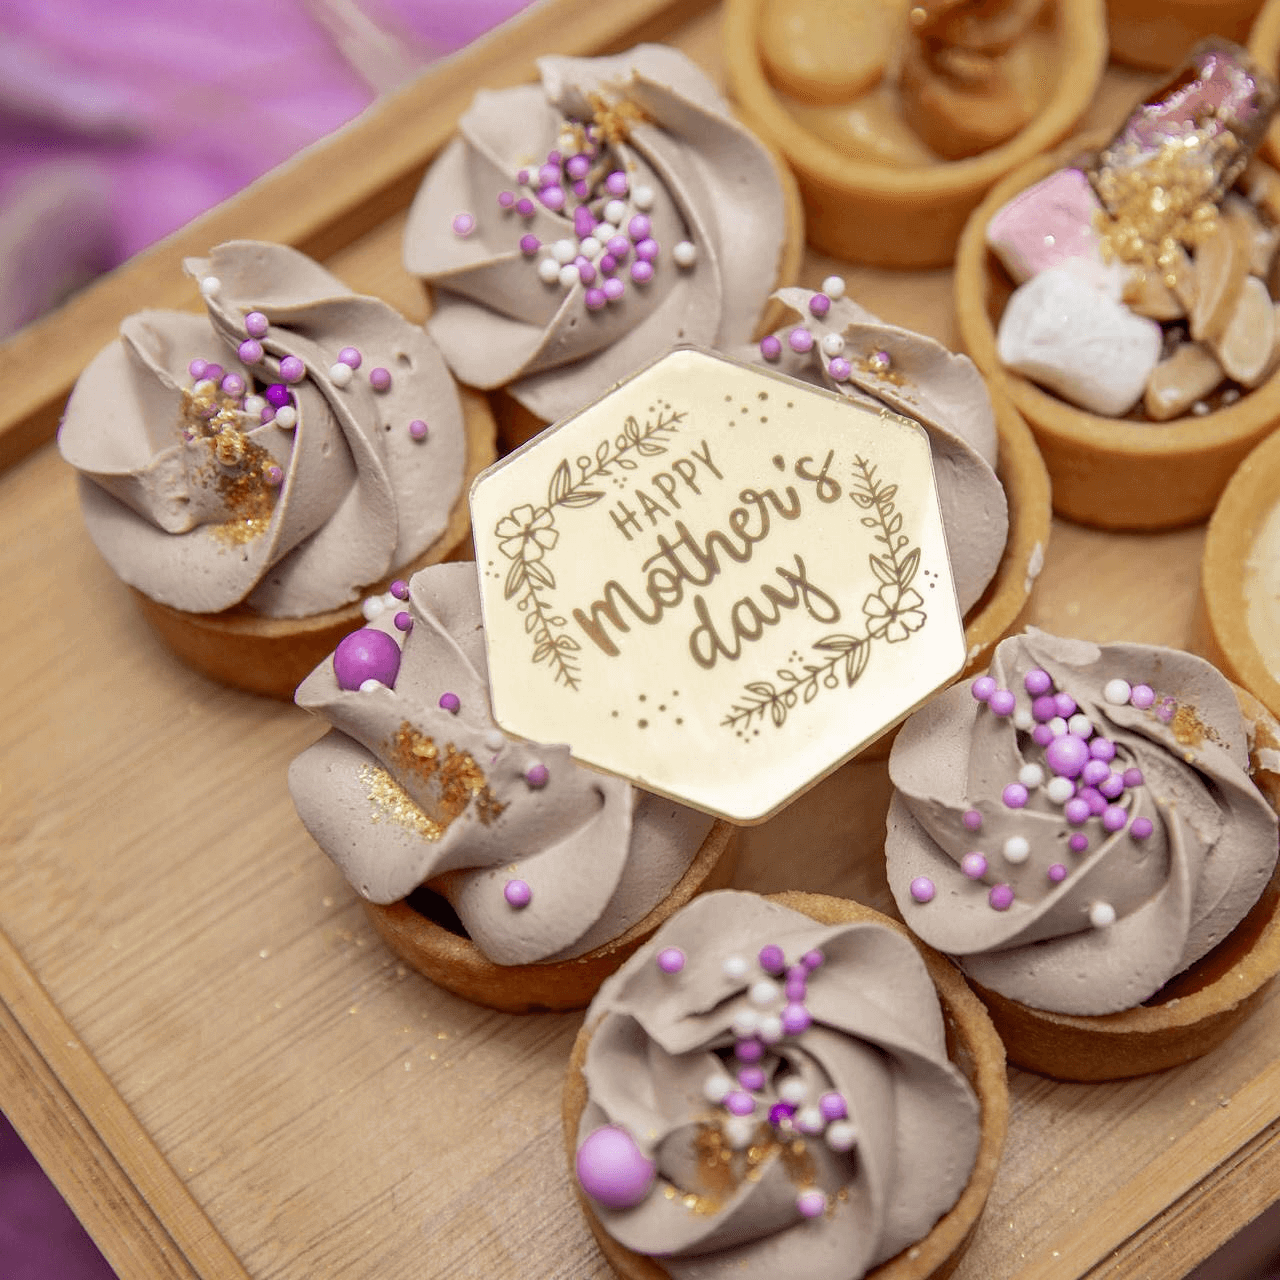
(390, 800)
(1189, 729)
(615, 119)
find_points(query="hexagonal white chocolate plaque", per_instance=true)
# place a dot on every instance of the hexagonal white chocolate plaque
(715, 581)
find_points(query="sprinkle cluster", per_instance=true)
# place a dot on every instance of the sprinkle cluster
(774, 1010)
(1079, 775)
(608, 242)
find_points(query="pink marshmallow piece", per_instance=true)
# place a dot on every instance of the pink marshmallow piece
(1045, 225)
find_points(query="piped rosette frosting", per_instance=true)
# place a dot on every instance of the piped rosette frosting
(414, 784)
(580, 227)
(830, 341)
(1079, 825)
(771, 1096)
(293, 445)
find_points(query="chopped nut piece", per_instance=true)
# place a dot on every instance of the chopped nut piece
(1248, 339)
(1178, 382)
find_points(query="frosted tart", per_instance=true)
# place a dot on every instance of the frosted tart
(579, 227)
(1239, 616)
(500, 869)
(1140, 349)
(869, 106)
(992, 485)
(741, 1094)
(1158, 34)
(255, 472)
(1113, 925)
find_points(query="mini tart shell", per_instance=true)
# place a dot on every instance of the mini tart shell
(1111, 473)
(1158, 34)
(1193, 1013)
(1223, 625)
(972, 1045)
(911, 217)
(455, 962)
(518, 424)
(273, 655)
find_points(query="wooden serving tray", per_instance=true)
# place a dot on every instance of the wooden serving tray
(201, 1037)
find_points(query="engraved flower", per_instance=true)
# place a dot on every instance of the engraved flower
(526, 533)
(894, 612)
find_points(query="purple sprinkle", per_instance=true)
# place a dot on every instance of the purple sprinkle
(578, 166)
(380, 378)
(796, 1019)
(839, 369)
(1015, 796)
(584, 222)
(506, 199)
(770, 347)
(647, 249)
(1044, 708)
(525, 207)
(350, 357)
(1077, 811)
(972, 820)
(616, 183)
(268, 413)
(214, 372)
(1165, 711)
(752, 1078)
(367, 654)
(1132, 776)
(922, 889)
(197, 368)
(522, 178)
(274, 476)
(1140, 828)
(749, 1050)
(819, 305)
(1094, 772)
(608, 264)
(982, 688)
(1142, 696)
(549, 175)
(1112, 785)
(400, 589)
(1102, 749)
(517, 893)
(1037, 681)
(451, 703)
(1042, 735)
(974, 865)
(833, 1106)
(1067, 755)
(1057, 873)
(771, 958)
(529, 244)
(1114, 818)
(671, 960)
(739, 1103)
(553, 197)
(463, 224)
(233, 384)
(1078, 843)
(277, 394)
(292, 369)
(1002, 702)
(639, 227)
(1000, 897)
(537, 775)
(619, 247)
(796, 988)
(250, 351)
(256, 324)
(418, 429)
(1066, 705)
(586, 270)
(403, 622)
(581, 189)
(641, 272)
(614, 288)
(812, 960)
(811, 1203)
(779, 1112)
(1096, 800)
(800, 340)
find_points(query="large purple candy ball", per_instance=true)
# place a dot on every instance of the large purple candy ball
(1067, 755)
(612, 1170)
(366, 654)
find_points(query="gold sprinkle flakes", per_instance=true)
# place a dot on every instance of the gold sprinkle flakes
(615, 119)
(390, 800)
(1188, 728)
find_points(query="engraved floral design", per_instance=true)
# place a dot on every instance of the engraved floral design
(892, 614)
(526, 532)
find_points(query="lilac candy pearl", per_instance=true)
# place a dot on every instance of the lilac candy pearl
(739, 1103)
(595, 299)
(1066, 705)
(612, 1169)
(1015, 796)
(1078, 843)
(833, 1106)
(1077, 811)
(379, 378)
(1067, 754)
(972, 820)
(800, 340)
(1132, 776)
(982, 688)
(752, 1078)
(233, 384)
(548, 175)
(779, 1112)
(418, 429)
(367, 654)
(277, 395)
(578, 166)
(1142, 696)
(214, 372)
(819, 305)
(451, 703)
(1112, 785)
(525, 207)
(1002, 702)
(350, 357)
(1037, 681)
(197, 368)
(671, 960)
(584, 222)
(1102, 749)
(796, 1019)
(1140, 828)
(292, 369)
(537, 776)
(586, 269)
(1042, 735)
(616, 183)
(614, 288)
(749, 1050)
(608, 264)
(839, 369)
(256, 324)
(1093, 798)
(974, 865)
(771, 958)
(553, 197)
(529, 245)
(1044, 708)
(506, 199)
(642, 272)
(811, 1204)
(796, 988)
(1114, 818)
(812, 960)
(517, 893)
(639, 227)
(619, 247)
(922, 889)
(1000, 897)
(770, 347)
(250, 351)
(1094, 772)
(400, 589)
(1057, 873)
(403, 621)
(647, 249)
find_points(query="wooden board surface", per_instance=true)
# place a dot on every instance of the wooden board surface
(202, 1038)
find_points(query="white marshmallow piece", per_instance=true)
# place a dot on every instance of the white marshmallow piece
(1066, 331)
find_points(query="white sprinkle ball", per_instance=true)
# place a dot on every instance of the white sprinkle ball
(763, 992)
(841, 1135)
(685, 253)
(569, 276)
(390, 601)
(717, 1087)
(833, 287)
(615, 211)
(1080, 725)
(254, 405)
(770, 1028)
(1031, 775)
(735, 967)
(793, 1090)
(340, 374)
(1116, 692)
(210, 286)
(746, 1022)
(495, 740)
(368, 686)
(372, 607)
(286, 417)
(1024, 720)
(1102, 914)
(549, 271)
(739, 1130)
(1017, 849)
(564, 251)
(205, 387)
(643, 197)
(832, 344)
(810, 1120)
(590, 247)
(1057, 726)
(1060, 790)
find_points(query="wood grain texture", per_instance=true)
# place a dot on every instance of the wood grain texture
(323, 1110)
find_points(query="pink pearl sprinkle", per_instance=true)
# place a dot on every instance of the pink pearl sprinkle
(974, 865)
(614, 288)
(1132, 776)
(671, 960)
(584, 222)
(506, 199)
(1095, 771)
(418, 429)
(800, 340)
(819, 305)
(529, 245)
(749, 1050)
(522, 178)
(1094, 799)
(400, 589)
(1000, 897)
(1114, 818)
(1078, 842)
(553, 197)
(1002, 702)
(771, 958)
(752, 1078)
(619, 247)
(268, 413)
(833, 1106)
(549, 175)
(537, 775)
(250, 351)
(1057, 873)
(578, 166)
(197, 368)
(292, 369)
(379, 378)
(770, 347)
(1140, 828)
(233, 384)
(1102, 749)
(972, 820)
(616, 183)
(812, 960)
(922, 889)
(796, 1019)
(639, 227)
(1066, 705)
(796, 989)
(839, 369)
(607, 263)
(273, 475)
(451, 703)
(403, 621)
(525, 207)
(517, 893)
(982, 688)
(214, 372)
(350, 357)
(1077, 811)
(1015, 796)
(641, 272)
(1044, 708)
(739, 1103)
(811, 1204)
(1037, 681)
(581, 189)
(1067, 754)
(1142, 696)
(256, 324)
(463, 224)
(586, 270)
(1112, 785)
(647, 249)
